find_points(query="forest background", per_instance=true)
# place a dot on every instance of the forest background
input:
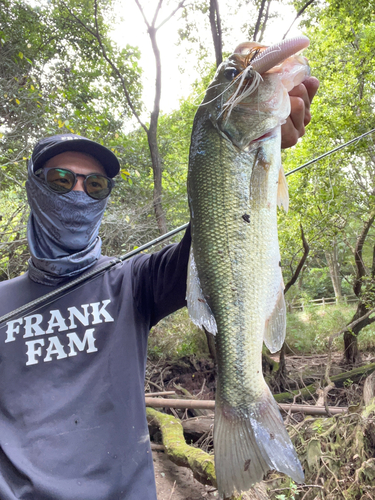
(62, 71)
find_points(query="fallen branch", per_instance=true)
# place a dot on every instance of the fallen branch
(200, 463)
(157, 447)
(210, 405)
(160, 393)
(307, 392)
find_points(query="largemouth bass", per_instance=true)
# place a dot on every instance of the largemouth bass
(235, 284)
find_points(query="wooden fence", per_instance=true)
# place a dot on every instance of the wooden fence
(325, 301)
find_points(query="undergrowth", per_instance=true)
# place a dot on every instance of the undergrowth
(337, 456)
(307, 333)
(176, 337)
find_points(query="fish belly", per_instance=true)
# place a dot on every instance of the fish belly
(233, 197)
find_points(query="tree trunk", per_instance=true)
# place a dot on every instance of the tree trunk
(351, 352)
(333, 265)
(153, 141)
(215, 23)
(157, 171)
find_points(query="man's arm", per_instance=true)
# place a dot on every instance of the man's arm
(300, 101)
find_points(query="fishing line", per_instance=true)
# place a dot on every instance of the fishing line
(93, 274)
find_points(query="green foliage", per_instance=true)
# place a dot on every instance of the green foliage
(176, 337)
(13, 215)
(293, 489)
(333, 198)
(308, 331)
(54, 79)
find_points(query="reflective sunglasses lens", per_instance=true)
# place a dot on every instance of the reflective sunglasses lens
(98, 186)
(60, 180)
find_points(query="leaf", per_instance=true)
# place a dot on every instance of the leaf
(314, 453)
(20, 55)
(17, 101)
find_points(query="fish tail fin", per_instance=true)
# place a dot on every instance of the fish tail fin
(248, 445)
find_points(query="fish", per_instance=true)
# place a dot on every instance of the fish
(235, 286)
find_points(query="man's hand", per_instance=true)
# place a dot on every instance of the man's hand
(300, 100)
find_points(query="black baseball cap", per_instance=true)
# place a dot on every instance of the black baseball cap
(49, 147)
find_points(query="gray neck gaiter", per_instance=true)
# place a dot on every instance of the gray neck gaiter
(62, 232)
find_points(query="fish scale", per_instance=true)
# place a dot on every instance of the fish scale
(235, 285)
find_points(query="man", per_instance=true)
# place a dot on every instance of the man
(72, 420)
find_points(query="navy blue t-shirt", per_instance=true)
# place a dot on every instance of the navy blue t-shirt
(72, 409)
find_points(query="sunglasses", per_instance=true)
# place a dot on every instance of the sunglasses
(62, 180)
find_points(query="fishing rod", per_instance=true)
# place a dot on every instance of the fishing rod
(329, 153)
(94, 273)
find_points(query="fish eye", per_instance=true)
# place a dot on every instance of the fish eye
(231, 73)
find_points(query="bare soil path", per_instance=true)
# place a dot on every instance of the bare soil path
(177, 483)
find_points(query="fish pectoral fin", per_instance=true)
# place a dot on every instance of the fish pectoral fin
(282, 191)
(249, 444)
(199, 311)
(275, 327)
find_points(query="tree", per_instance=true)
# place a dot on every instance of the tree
(334, 199)
(53, 80)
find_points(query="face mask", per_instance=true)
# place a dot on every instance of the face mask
(62, 231)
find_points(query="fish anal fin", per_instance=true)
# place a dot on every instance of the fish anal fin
(199, 311)
(249, 444)
(282, 191)
(275, 327)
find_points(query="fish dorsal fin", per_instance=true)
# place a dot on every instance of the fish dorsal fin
(199, 311)
(275, 327)
(282, 191)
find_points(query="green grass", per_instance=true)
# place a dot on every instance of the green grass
(175, 337)
(307, 333)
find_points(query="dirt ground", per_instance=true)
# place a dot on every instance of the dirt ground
(177, 483)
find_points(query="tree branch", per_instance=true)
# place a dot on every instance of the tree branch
(265, 20)
(299, 13)
(96, 35)
(361, 270)
(351, 326)
(301, 263)
(257, 25)
(215, 23)
(179, 6)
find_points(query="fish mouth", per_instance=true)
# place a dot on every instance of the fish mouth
(262, 138)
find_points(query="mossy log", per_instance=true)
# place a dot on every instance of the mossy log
(308, 391)
(201, 463)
